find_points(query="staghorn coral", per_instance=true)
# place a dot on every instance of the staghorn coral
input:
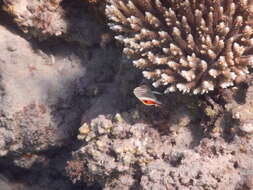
(193, 46)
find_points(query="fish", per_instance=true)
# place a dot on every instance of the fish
(146, 96)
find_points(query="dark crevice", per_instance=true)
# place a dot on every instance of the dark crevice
(39, 174)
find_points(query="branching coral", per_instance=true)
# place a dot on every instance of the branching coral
(193, 46)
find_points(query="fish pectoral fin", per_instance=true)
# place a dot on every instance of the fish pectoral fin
(155, 92)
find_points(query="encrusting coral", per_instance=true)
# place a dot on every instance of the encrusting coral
(193, 46)
(118, 155)
(40, 18)
(57, 19)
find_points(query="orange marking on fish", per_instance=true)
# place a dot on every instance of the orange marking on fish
(150, 102)
(146, 96)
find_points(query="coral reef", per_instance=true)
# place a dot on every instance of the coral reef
(50, 89)
(45, 87)
(55, 18)
(242, 112)
(39, 18)
(47, 174)
(192, 46)
(141, 158)
(37, 107)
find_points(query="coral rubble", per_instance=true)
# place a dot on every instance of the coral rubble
(193, 46)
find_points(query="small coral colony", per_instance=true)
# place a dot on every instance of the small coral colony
(193, 46)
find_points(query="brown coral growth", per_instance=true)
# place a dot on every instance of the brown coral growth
(193, 46)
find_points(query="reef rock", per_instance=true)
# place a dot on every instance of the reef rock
(37, 95)
(141, 158)
(39, 18)
(55, 18)
(242, 110)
